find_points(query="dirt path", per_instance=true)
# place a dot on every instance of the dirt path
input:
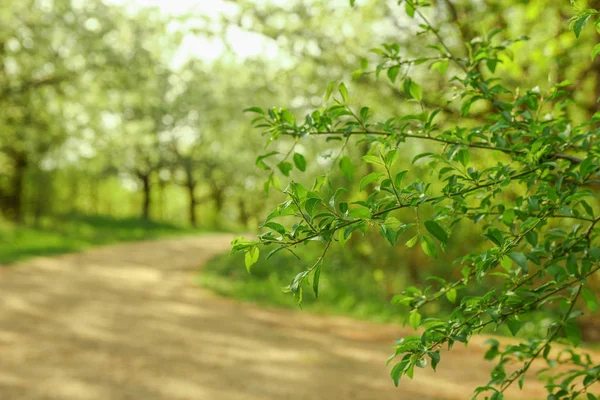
(125, 322)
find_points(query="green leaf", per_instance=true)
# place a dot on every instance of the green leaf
(352, 2)
(506, 263)
(590, 299)
(285, 167)
(372, 177)
(514, 326)
(451, 295)
(300, 161)
(428, 246)
(389, 233)
(595, 51)
(390, 158)
(329, 90)
(275, 226)
(347, 167)
(316, 277)
(414, 319)
(463, 156)
(573, 333)
(257, 110)
(416, 91)
(411, 242)
(343, 91)
(398, 370)
(410, 10)
(398, 178)
(521, 381)
(311, 204)
(495, 235)
(288, 117)
(372, 160)
(435, 358)
(259, 160)
(497, 396)
(437, 231)
(344, 235)
(520, 259)
(251, 257)
(393, 72)
(579, 24)
(360, 212)
(572, 266)
(440, 66)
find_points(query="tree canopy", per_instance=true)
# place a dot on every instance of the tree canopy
(515, 159)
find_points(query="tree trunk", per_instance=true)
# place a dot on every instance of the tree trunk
(192, 203)
(412, 267)
(244, 214)
(17, 187)
(146, 188)
(161, 199)
(219, 200)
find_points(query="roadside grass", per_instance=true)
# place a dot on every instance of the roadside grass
(346, 286)
(75, 232)
(349, 286)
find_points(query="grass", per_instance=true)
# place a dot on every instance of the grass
(347, 287)
(76, 232)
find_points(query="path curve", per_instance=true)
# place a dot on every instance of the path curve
(126, 322)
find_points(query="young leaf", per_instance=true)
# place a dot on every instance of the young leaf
(579, 24)
(428, 246)
(372, 177)
(393, 72)
(451, 295)
(520, 259)
(440, 66)
(590, 299)
(412, 241)
(595, 51)
(285, 167)
(414, 319)
(572, 265)
(416, 91)
(410, 10)
(573, 333)
(437, 231)
(514, 325)
(343, 91)
(316, 277)
(372, 160)
(256, 110)
(329, 90)
(300, 161)
(251, 257)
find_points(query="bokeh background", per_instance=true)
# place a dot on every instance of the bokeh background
(122, 120)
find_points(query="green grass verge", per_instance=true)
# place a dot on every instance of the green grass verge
(72, 233)
(350, 285)
(347, 287)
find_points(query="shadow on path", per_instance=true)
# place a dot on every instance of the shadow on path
(125, 322)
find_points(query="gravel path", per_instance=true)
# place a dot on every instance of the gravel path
(126, 322)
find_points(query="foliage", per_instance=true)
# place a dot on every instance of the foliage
(100, 114)
(531, 197)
